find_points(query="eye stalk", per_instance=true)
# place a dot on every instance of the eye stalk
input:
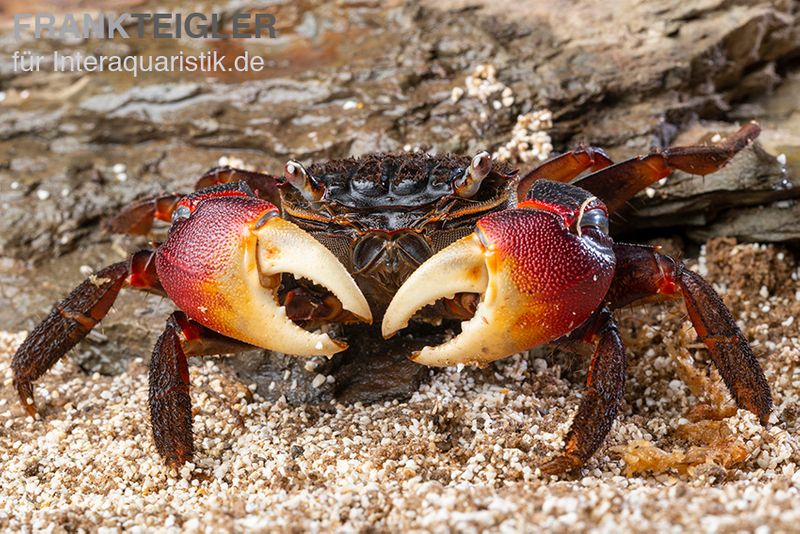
(480, 167)
(296, 174)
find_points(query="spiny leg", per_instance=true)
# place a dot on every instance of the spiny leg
(565, 168)
(605, 386)
(137, 218)
(643, 271)
(71, 319)
(170, 402)
(617, 184)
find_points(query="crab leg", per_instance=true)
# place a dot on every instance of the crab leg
(137, 218)
(617, 184)
(565, 168)
(71, 319)
(170, 402)
(643, 272)
(605, 386)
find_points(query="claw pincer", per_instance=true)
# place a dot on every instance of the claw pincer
(540, 270)
(222, 265)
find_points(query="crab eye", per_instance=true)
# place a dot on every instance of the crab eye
(181, 214)
(296, 174)
(469, 183)
(596, 218)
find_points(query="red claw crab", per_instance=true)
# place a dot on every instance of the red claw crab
(292, 264)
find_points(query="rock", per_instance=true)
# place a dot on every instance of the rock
(777, 222)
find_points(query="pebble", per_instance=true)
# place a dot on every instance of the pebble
(318, 380)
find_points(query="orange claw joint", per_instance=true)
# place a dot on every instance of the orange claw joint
(537, 277)
(222, 265)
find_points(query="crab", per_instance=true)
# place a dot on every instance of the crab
(386, 242)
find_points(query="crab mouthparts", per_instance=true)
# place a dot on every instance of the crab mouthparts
(466, 266)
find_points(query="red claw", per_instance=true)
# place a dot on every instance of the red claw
(222, 265)
(539, 279)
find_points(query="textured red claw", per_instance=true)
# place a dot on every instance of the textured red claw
(538, 280)
(222, 265)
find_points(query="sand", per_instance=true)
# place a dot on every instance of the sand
(460, 455)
